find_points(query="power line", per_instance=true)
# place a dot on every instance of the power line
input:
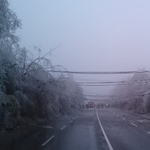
(99, 85)
(95, 99)
(118, 96)
(100, 72)
(118, 99)
(107, 82)
(115, 83)
(101, 95)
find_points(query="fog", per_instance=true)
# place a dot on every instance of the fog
(92, 35)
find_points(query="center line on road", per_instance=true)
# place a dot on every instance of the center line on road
(123, 119)
(63, 127)
(133, 124)
(106, 138)
(48, 140)
(117, 115)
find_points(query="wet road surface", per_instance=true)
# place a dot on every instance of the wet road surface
(125, 131)
(81, 134)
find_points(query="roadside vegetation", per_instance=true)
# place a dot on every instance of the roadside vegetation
(135, 94)
(28, 88)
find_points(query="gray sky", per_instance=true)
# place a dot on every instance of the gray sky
(95, 35)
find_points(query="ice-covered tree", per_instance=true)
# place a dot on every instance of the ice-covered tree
(8, 41)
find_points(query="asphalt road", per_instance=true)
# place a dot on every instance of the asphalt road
(82, 133)
(124, 130)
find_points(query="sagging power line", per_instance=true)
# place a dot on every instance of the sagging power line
(113, 83)
(100, 72)
(125, 96)
(107, 82)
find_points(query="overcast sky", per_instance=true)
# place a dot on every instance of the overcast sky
(95, 35)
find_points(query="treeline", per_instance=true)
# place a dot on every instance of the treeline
(135, 94)
(27, 87)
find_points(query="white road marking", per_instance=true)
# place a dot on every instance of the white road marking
(114, 113)
(48, 127)
(123, 118)
(63, 127)
(48, 140)
(75, 118)
(133, 124)
(143, 121)
(117, 115)
(107, 140)
(70, 121)
(148, 132)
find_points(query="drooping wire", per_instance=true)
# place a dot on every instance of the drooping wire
(100, 72)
